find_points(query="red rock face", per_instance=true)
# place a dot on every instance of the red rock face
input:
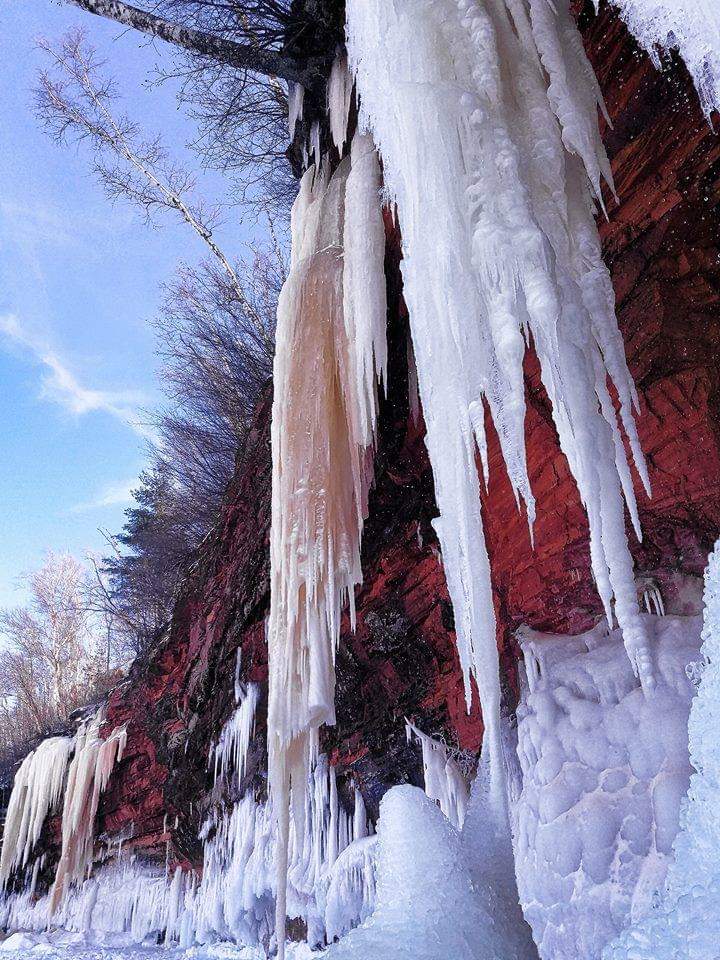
(661, 242)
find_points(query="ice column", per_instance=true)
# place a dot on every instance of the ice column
(484, 114)
(330, 352)
(36, 791)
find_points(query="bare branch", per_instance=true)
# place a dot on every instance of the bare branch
(79, 103)
(239, 55)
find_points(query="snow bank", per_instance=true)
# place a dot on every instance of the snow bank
(684, 921)
(604, 771)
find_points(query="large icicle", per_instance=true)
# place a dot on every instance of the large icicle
(339, 101)
(88, 776)
(692, 27)
(329, 350)
(36, 791)
(484, 115)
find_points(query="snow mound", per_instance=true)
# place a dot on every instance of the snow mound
(429, 907)
(604, 771)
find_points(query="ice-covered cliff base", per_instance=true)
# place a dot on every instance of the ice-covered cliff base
(596, 787)
(603, 771)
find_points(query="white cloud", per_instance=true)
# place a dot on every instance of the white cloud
(112, 495)
(59, 385)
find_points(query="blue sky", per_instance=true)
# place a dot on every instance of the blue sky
(79, 282)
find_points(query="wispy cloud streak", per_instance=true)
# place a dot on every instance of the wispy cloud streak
(59, 384)
(112, 495)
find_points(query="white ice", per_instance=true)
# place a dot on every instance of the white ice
(485, 116)
(432, 903)
(232, 747)
(37, 790)
(604, 771)
(692, 27)
(330, 353)
(444, 782)
(683, 920)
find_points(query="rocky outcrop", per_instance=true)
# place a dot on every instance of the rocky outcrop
(661, 242)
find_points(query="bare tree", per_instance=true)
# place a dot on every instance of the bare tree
(212, 373)
(51, 660)
(243, 35)
(215, 339)
(232, 57)
(75, 103)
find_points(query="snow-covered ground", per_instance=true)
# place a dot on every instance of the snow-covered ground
(62, 946)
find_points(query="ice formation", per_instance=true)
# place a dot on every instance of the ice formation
(339, 101)
(493, 171)
(37, 790)
(231, 750)
(296, 99)
(331, 881)
(692, 27)
(88, 775)
(428, 902)
(38, 787)
(604, 771)
(652, 598)
(684, 920)
(444, 783)
(330, 351)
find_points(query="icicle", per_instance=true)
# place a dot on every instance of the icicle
(351, 892)
(314, 148)
(339, 101)
(296, 97)
(329, 349)
(652, 599)
(444, 783)
(234, 742)
(364, 296)
(692, 27)
(492, 115)
(360, 823)
(88, 776)
(37, 789)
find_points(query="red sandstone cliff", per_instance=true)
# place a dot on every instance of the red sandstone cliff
(662, 244)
